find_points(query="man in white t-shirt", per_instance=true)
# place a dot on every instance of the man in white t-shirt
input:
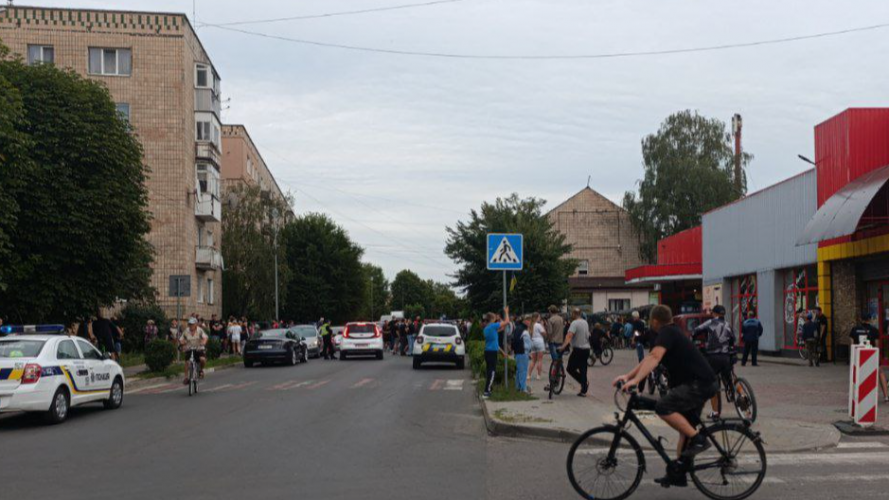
(579, 339)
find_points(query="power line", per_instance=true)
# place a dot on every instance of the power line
(332, 14)
(606, 55)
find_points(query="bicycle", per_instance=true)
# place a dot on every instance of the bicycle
(193, 370)
(803, 352)
(605, 355)
(556, 376)
(610, 462)
(657, 381)
(739, 392)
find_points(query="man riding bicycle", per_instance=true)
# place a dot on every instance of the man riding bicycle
(194, 341)
(718, 344)
(691, 380)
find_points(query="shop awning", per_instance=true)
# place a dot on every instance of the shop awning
(663, 273)
(841, 212)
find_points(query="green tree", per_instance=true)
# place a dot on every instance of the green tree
(689, 169)
(248, 249)
(444, 301)
(76, 239)
(376, 301)
(327, 275)
(408, 288)
(543, 281)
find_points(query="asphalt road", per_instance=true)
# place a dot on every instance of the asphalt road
(338, 430)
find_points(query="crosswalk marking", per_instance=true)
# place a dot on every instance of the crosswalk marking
(283, 386)
(860, 445)
(300, 384)
(363, 382)
(218, 388)
(849, 478)
(454, 385)
(828, 458)
(147, 389)
(319, 384)
(436, 385)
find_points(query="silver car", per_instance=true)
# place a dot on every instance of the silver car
(313, 339)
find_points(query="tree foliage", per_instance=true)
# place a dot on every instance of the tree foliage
(248, 249)
(72, 183)
(689, 169)
(327, 274)
(408, 288)
(376, 300)
(543, 281)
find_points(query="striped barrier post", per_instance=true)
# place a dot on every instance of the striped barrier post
(865, 392)
(853, 379)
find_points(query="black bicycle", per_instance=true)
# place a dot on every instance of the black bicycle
(556, 376)
(604, 356)
(657, 381)
(739, 393)
(607, 463)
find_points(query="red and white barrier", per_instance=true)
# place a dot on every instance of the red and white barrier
(864, 379)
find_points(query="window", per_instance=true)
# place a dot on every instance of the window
(67, 350)
(208, 179)
(123, 109)
(618, 304)
(744, 299)
(211, 294)
(203, 131)
(583, 268)
(114, 62)
(800, 297)
(200, 291)
(207, 129)
(89, 352)
(202, 76)
(38, 54)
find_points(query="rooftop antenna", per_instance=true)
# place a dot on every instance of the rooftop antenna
(588, 180)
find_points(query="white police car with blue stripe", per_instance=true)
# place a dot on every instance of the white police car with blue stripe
(43, 370)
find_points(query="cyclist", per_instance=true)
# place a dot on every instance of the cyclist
(692, 383)
(718, 343)
(194, 340)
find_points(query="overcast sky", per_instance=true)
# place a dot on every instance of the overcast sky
(397, 147)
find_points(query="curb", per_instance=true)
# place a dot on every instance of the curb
(134, 384)
(850, 429)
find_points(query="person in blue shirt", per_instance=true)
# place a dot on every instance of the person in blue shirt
(494, 324)
(751, 331)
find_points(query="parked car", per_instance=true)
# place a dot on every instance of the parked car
(439, 342)
(312, 336)
(688, 322)
(337, 332)
(53, 373)
(361, 338)
(278, 345)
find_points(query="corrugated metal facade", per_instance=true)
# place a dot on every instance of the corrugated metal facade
(681, 248)
(849, 145)
(759, 232)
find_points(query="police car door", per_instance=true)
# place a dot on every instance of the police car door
(74, 369)
(99, 375)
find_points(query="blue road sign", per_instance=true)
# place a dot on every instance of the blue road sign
(505, 252)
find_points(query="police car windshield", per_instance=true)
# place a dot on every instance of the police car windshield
(305, 331)
(20, 348)
(440, 331)
(271, 334)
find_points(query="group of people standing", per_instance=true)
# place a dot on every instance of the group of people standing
(399, 335)
(104, 333)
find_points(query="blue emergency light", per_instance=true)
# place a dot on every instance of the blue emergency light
(44, 329)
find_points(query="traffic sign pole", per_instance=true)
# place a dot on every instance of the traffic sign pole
(505, 253)
(505, 359)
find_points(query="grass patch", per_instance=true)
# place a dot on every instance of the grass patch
(131, 359)
(177, 369)
(504, 415)
(501, 395)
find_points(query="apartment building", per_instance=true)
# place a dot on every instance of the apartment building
(164, 83)
(242, 163)
(605, 245)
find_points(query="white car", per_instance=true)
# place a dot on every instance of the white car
(439, 342)
(361, 339)
(53, 373)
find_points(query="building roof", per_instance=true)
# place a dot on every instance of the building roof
(595, 283)
(258, 152)
(581, 192)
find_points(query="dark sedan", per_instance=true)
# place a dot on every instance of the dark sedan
(275, 346)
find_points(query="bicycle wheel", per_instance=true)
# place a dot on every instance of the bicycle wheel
(591, 361)
(560, 385)
(607, 355)
(745, 400)
(595, 472)
(803, 353)
(734, 468)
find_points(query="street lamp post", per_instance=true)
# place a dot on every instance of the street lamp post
(275, 224)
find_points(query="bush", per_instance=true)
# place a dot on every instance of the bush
(159, 355)
(214, 348)
(476, 332)
(133, 319)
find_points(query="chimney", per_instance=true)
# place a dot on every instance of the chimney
(736, 132)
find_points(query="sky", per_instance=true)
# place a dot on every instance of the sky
(398, 147)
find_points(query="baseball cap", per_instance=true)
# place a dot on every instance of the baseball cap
(192, 321)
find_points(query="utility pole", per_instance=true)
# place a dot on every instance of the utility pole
(275, 226)
(736, 132)
(372, 298)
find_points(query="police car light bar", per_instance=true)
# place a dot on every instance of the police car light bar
(44, 329)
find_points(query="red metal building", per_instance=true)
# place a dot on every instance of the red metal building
(677, 274)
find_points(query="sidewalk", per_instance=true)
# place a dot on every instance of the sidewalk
(797, 406)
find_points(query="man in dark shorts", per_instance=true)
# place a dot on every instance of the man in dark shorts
(103, 331)
(692, 383)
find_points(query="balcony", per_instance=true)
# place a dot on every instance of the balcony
(207, 151)
(208, 208)
(207, 100)
(208, 258)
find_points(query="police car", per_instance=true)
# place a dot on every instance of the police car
(42, 370)
(439, 342)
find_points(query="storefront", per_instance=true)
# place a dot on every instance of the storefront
(677, 274)
(851, 226)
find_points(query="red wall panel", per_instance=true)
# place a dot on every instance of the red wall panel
(681, 248)
(849, 145)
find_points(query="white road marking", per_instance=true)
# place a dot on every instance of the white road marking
(146, 389)
(827, 458)
(363, 382)
(436, 385)
(454, 385)
(282, 387)
(319, 384)
(860, 445)
(218, 388)
(300, 384)
(834, 478)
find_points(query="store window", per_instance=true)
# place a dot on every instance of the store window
(618, 305)
(800, 297)
(744, 299)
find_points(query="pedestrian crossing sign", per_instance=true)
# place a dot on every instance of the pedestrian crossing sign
(505, 252)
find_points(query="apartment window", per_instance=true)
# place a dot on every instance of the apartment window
(123, 109)
(211, 294)
(203, 131)
(583, 268)
(114, 62)
(200, 291)
(618, 304)
(38, 54)
(202, 76)
(207, 129)
(208, 180)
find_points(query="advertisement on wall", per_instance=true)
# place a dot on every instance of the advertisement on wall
(712, 296)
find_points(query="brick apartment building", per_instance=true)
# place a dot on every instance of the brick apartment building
(605, 244)
(164, 82)
(242, 163)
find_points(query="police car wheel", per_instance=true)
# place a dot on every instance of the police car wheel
(115, 398)
(58, 410)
